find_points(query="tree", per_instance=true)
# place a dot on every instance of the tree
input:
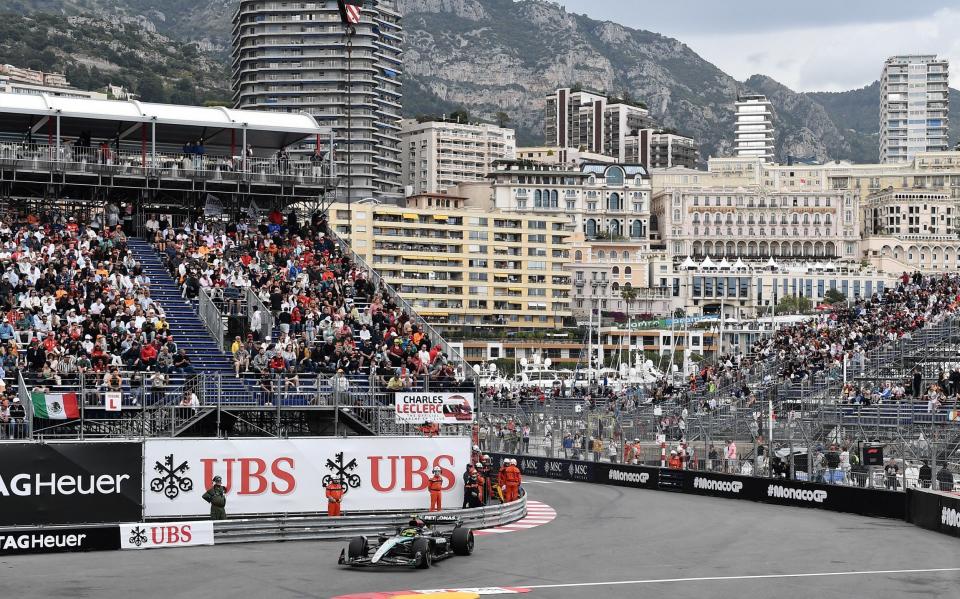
(460, 115)
(502, 118)
(152, 89)
(793, 304)
(833, 296)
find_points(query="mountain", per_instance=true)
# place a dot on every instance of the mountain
(94, 52)
(488, 56)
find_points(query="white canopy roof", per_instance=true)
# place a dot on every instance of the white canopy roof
(739, 265)
(707, 263)
(688, 263)
(723, 263)
(20, 112)
(771, 263)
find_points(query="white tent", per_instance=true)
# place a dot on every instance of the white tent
(723, 264)
(688, 263)
(707, 263)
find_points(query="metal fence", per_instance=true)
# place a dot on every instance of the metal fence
(158, 404)
(212, 318)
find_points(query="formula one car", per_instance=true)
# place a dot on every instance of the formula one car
(416, 545)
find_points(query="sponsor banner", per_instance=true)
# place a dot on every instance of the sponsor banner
(440, 408)
(627, 475)
(21, 541)
(142, 535)
(70, 483)
(934, 510)
(268, 476)
(856, 500)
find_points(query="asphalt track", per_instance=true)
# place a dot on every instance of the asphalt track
(605, 542)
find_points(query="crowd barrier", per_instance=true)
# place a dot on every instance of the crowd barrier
(934, 510)
(854, 500)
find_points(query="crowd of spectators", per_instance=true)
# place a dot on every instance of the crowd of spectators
(332, 319)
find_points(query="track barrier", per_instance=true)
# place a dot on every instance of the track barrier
(854, 500)
(934, 510)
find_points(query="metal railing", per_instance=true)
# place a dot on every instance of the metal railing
(155, 404)
(212, 318)
(315, 528)
(169, 164)
(254, 303)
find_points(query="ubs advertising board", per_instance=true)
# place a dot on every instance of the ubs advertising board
(70, 483)
(267, 476)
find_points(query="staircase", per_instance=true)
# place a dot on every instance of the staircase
(187, 329)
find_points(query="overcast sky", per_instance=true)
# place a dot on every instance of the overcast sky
(813, 45)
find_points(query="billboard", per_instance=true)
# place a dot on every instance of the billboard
(272, 476)
(70, 483)
(59, 539)
(440, 408)
(146, 535)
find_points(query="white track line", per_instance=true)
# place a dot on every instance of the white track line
(723, 578)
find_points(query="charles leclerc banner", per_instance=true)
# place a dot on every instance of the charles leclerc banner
(439, 408)
(272, 476)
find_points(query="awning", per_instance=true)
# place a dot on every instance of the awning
(411, 216)
(440, 217)
(518, 289)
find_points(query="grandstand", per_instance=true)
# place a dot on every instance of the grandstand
(139, 241)
(883, 372)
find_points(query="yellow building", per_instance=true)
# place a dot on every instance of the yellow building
(465, 268)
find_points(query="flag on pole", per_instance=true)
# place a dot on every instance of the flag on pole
(350, 11)
(55, 406)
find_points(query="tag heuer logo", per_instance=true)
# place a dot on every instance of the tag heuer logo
(172, 479)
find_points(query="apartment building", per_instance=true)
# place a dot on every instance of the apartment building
(754, 136)
(439, 154)
(293, 57)
(592, 122)
(656, 148)
(914, 106)
(462, 267)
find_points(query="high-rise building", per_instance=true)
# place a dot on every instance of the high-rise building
(914, 106)
(438, 154)
(754, 128)
(590, 122)
(292, 57)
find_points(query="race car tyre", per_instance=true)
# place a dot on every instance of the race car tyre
(421, 549)
(462, 541)
(358, 548)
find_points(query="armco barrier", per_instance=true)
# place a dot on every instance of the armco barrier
(317, 528)
(854, 500)
(934, 510)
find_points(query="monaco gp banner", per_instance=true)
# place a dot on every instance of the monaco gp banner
(268, 476)
(166, 534)
(70, 483)
(440, 408)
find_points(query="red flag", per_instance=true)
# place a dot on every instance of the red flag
(350, 11)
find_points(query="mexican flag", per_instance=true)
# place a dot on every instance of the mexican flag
(55, 406)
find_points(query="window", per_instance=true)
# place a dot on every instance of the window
(613, 203)
(614, 176)
(590, 227)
